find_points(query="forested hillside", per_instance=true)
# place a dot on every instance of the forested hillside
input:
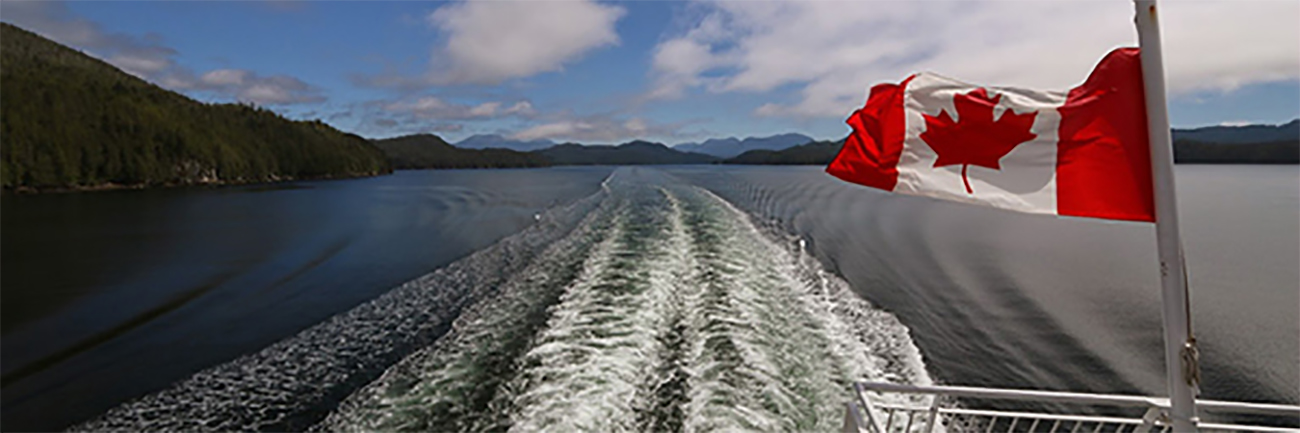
(431, 151)
(68, 120)
(630, 153)
(813, 153)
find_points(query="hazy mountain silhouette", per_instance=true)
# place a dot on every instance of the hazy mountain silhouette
(431, 151)
(497, 141)
(630, 153)
(1241, 134)
(731, 146)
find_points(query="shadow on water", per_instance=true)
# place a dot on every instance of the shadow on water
(134, 322)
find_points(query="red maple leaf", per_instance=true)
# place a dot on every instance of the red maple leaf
(976, 138)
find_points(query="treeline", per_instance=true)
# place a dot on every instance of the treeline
(422, 151)
(813, 153)
(69, 120)
(631, 153)
(430, 151)
(1199, 152)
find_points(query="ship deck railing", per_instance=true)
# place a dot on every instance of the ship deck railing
(925, 409)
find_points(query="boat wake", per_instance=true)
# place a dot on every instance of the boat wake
(652, 305)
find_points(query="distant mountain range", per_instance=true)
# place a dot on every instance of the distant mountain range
(1289, 131)
(732, 146)
(717, 147)
(1252, 144)
(631, 153)
(489, 141)
(813, 153)
(422, 151)
(430, 151)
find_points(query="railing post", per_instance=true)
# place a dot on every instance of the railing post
(1149, 419)
(1181, 370)
(868, 407)
(933, 415)
(852, 418)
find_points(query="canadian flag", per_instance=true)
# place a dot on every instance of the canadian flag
(1081, 153)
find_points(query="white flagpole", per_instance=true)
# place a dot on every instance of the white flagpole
(1180, 349)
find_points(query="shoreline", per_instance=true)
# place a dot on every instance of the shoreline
(110, 186)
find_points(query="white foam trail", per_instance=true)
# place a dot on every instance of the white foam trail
(683, 316)
(803, 339)
(587, 370)
(450, 385)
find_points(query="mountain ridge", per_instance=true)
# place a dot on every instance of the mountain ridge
(424, 151)
(498, 141)
(636, 152)
(731, 146)
(1254, 133)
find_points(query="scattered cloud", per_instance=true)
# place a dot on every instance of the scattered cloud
(488, 42)
(518, 120)
(831, 53)
(53, 19)
(244, 85)
(146, 57)
(435, 108)
(446, 127)
(601, 129)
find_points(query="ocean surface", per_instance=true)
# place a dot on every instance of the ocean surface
(604, 299)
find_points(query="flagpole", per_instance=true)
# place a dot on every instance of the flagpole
(1181, 371)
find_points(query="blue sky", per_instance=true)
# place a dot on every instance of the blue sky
(668, 71)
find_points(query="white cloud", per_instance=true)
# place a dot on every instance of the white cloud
(832, 52)
(52, 19)
(486, 109)
(224, 77)
(275, 90)
(492, 41)
(248, 86)
(599, 129)
(434, 108)
(143, 63)
(1236, 123)
(521, 108)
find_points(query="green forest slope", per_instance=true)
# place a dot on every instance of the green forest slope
(68, 120)
(431, 151)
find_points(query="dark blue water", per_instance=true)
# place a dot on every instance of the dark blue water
(111, 295)
(562, 296)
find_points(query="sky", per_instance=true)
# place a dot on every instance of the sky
(668, 71)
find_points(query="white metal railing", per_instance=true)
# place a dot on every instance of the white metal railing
(910, 411)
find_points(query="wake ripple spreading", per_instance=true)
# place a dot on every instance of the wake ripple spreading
(652, 305)
(682, 316)
(292, 384)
